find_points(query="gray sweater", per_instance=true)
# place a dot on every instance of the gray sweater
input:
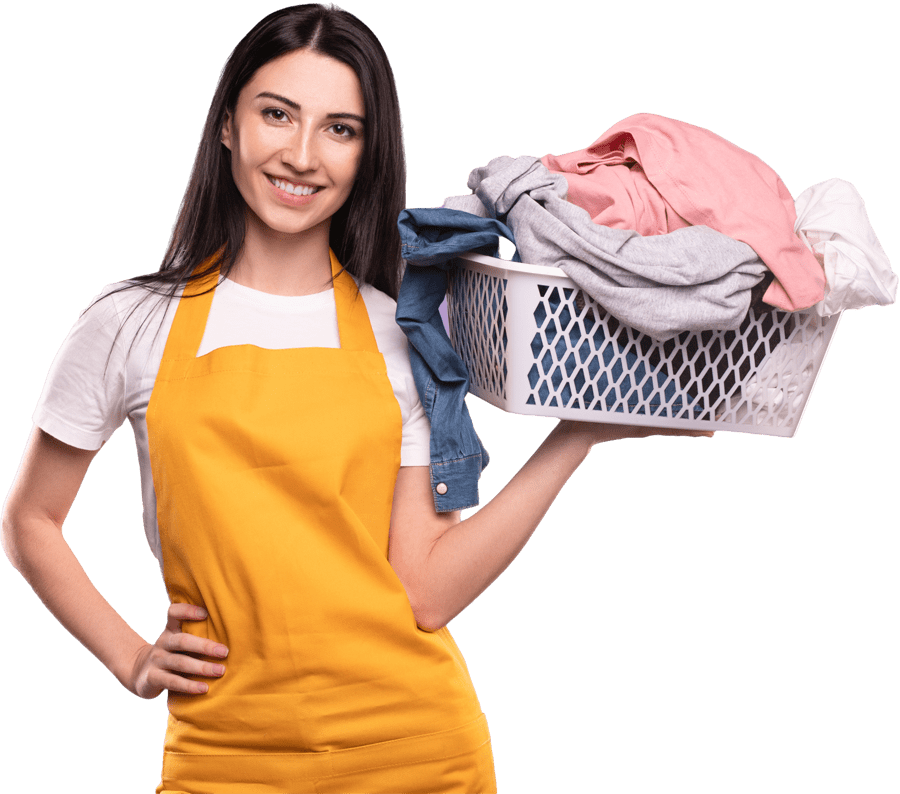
(690, 279)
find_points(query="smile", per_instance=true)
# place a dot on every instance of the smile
(294, 190)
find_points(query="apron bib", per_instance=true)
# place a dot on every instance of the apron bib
(274, 473)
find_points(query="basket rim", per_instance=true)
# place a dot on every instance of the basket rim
(515, 267)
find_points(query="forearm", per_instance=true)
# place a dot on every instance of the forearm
(37, 548)
(467, 557)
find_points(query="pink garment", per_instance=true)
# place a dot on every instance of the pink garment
(659, 175)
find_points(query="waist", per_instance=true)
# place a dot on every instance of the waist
(334, 696)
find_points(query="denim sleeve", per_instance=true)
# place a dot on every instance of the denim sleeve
(431, 240)
(457, 455)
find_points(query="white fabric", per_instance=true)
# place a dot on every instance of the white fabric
(106, 367)
(831, 218)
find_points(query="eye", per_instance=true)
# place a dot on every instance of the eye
(343, 130)
(276, 114)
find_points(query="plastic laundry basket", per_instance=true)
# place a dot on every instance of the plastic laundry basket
(534, 343)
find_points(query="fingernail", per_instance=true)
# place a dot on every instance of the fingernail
(200, 613)
(220, 650)
(219, 669)
(204, 687)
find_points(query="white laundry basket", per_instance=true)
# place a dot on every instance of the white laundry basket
(534, 343)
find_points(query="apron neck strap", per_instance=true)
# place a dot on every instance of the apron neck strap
(190, 315)
(354, 327)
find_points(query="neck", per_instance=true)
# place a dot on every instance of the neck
(283, 264)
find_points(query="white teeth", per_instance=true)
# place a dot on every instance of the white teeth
(295, 190)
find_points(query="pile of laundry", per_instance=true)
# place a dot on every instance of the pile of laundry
(667, 226)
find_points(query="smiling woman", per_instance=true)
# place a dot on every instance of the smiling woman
(296, 140)
(309, 83)
(285, 454)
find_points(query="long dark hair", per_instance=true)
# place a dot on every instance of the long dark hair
(363, 233)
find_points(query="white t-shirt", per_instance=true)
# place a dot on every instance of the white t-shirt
(105, 370)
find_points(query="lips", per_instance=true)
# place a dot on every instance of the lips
(292, 188)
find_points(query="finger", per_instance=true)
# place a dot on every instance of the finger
(188, 643)
(175, 683)
(174, 640)
(178, 612)
(181, 642)
(678, 431)
(179, 662)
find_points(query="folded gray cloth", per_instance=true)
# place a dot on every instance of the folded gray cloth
(691, 279)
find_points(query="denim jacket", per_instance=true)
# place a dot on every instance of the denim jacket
(431, 239)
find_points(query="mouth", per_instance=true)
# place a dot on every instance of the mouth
(292, 188)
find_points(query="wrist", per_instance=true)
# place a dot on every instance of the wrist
(578, 437)
(125, 661)
(582, 437)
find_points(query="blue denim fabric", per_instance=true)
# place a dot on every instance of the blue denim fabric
(431, 239)
(668, 403)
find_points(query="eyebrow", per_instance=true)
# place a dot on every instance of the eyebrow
(291, 104)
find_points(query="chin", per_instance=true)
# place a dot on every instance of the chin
(288, 227)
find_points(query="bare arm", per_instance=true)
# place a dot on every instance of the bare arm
(445, 563)
(33, 517)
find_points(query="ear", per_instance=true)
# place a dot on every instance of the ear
(226, 131)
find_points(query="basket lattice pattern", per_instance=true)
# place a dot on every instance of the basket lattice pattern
(478, 315)
(581, 362)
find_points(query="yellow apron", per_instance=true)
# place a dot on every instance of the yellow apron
(274, 473)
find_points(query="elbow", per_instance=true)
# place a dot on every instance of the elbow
(22, 542)
(11, 547)
(429, 620)
(415, 593)
(427, 612)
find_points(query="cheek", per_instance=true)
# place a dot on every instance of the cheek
(238, 162)
(351, 168)
(250, 152)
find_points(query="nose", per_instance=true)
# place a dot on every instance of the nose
(302, 153)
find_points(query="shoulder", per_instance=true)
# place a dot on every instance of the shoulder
(377, 300)
(117, 331)
(125, 313)
(123, 301)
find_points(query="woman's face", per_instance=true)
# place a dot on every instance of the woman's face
(296, 139)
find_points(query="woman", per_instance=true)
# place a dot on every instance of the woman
(282, 447)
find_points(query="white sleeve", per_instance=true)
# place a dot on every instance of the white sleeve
(415, 449)
(83, 400)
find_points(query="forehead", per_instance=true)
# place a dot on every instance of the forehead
(312, 80)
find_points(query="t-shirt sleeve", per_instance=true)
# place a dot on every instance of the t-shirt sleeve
(83, 400)
(415, 448)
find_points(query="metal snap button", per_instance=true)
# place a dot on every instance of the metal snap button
(441, 488)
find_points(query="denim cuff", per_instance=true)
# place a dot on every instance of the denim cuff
(454, 483)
